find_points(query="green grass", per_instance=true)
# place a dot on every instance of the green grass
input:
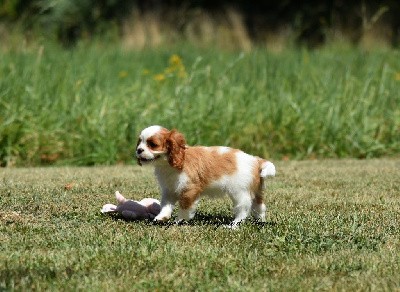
(332, 225)
(86, 105)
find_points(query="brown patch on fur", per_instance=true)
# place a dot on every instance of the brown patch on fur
(257, 185)
(156, 143)
(205, 164)
(202, 166)
(189, 196)
(258, 198)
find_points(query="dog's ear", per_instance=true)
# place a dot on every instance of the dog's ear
(176, 145)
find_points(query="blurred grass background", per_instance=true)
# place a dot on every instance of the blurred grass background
(86, 105)
(296, 80)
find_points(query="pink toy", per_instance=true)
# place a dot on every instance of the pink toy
(147, 208)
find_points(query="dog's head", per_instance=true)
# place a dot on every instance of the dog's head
(159, 144)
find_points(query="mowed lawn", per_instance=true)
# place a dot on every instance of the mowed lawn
(332, 225)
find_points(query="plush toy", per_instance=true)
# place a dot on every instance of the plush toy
(147, 208)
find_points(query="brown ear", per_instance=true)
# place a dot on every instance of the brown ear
(176, 144)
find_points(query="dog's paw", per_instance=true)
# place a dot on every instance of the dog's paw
(161, 218)
(232, 226)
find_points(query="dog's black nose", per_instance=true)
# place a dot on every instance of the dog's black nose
(139, 150)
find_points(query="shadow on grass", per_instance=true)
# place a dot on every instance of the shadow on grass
(200, 219)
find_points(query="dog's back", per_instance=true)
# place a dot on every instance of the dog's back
(222, 170)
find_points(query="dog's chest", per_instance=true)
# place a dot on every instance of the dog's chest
(170, 179)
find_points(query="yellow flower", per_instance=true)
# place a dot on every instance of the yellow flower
(397, 76)
(175, 60)
(175, 69)
(159, 77)
(176, 66)
(122, 74)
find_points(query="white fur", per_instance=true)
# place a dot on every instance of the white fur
(171, 184)
(150, 131)
(223, 149)
(267, 169)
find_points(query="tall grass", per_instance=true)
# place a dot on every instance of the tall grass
(86, 105)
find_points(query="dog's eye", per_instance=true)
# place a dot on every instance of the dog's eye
(152, 144)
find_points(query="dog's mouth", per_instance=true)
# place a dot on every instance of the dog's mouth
(148, 160)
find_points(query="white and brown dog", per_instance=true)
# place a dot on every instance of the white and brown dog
(185, 173)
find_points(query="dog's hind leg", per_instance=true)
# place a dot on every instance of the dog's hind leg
(187, 214)
(258, 207)
(241, 207)
(188, 201)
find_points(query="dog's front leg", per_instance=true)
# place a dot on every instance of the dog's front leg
(167, 206)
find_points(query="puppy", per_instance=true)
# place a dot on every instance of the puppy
(186, 173)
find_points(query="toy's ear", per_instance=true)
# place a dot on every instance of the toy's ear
(120, 198)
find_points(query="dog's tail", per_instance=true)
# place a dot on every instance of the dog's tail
(267, 169)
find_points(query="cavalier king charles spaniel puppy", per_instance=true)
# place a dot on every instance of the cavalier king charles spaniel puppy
(185, 173)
